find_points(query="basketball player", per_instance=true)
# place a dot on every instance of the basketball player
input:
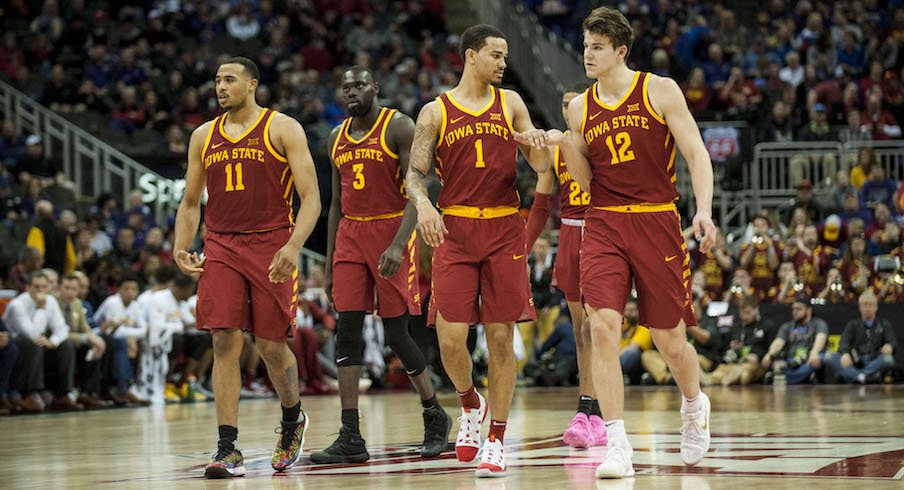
(371, 237)
(479, 269)
(586, 428)
(624, 132)
(249, 159)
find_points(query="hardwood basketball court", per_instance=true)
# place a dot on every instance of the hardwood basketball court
(763, 437)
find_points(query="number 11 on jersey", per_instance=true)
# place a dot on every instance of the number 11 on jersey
(239, 182)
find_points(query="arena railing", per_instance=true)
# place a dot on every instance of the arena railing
(545, 64)
(889, 154)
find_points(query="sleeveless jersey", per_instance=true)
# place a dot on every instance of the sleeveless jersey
(372, 181)
(249, 185)
(574, 201)
(632, 152)
(476, 155)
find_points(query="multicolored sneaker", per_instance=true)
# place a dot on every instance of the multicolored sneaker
(290, 444)
(578, 434)
(227, 462)
(598, 430)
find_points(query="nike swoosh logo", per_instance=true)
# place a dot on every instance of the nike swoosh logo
(410, 373)
(214, 147)
(669, 259)
(341, 359)
(342, 146)
(595, 115)
(517, 257)
(453, 121)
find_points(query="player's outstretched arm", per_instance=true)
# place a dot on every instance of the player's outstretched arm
(335, 214)
(668, 100)
(401, 131)
(573, 146)
(288, 135)
(423, 146)
(533, 141)
(539, 210)
(188, 217)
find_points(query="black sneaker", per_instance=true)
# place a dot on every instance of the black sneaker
(348, 448)
(437, 426)
(227, 462)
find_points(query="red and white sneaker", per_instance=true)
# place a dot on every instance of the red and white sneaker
(579, 432)
(492, 459)
(598, 431)
(468, 442)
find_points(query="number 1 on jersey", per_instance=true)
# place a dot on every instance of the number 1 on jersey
(478, 146)
(239, 182)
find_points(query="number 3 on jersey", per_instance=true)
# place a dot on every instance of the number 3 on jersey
(358, 183)
(239, 182)
(625, 153)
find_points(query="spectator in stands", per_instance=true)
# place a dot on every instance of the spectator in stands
(35, 163)
(164, 317)
(127, 71)
(888, 239)
(811, 260)
(778, 127)
(761, 256)
(879, 122)
(855, 265)
(888, 281)
(834, 197)
(793, 72)
(241, 24)
(878, 189)
(805, 201)
(836, 291)
(51, 240)
(866, 159)
(176, 145)
(853, 131)
(881, 217)
(31, 317)
(789, 286)
(832, 234)
(125, 254)
(867, 345)
(818, 128)
(128, 115)
(90, 348)
(716, 69)
(741, 286)
(59, 94)
(716, 264)
(558, 357)
(797, 350)
(635, 340)
(12, 147)
(751, 336)
(850, 54)
(9, 354)
(851, 208)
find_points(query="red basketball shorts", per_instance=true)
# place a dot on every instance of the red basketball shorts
(356, 273)
(646, 248)
(567, 269)
(234, 290)
(480, 272)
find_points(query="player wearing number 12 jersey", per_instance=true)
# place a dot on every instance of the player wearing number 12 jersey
(251, 159)
(624, 134)
(586, 427)
(479, 266)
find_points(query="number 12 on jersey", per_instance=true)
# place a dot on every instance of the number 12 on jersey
(625, 153)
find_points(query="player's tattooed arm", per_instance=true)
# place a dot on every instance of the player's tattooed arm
(426, 134)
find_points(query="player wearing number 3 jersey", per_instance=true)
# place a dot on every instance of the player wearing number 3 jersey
(624, 133)
(479, 265)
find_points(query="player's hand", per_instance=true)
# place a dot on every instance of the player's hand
(846, 361)
(815, 362)
(390, 261)
(283, 265)
(534, 137)
(431, 225)
(704, 231)
(190, 263)
(555, 137)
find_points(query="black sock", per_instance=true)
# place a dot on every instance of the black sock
(350, 420)
(431, 404)
(584, 403)
(228, 435)
(595, 409)
(291, 414)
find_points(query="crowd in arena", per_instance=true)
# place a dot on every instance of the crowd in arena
(94, 306)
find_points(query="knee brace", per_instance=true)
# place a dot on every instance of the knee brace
(400, 341)
(349, 342)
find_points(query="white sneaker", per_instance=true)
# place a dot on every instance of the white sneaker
(492, 460)
(618, 459)
(695, 433)
(468, 442)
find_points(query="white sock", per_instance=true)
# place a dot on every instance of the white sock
(692, 405)
(616, 429)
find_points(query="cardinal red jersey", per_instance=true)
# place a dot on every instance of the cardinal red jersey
(632, 152)
(476, 155)
(249, 184)
(574, 200)
(372, 181)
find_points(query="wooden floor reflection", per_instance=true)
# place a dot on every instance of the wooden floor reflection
(796, 437)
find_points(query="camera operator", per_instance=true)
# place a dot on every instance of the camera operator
(867, 345)
(797, 349)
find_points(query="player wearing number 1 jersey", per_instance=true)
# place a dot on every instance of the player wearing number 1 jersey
(586, 427)
(251, 159)
(372, 248)
(624, 134)
(479, 266)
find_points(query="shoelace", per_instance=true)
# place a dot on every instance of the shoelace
(692, 429)
(287, 432)
(223, 452)
(490, 456)
(465, 422)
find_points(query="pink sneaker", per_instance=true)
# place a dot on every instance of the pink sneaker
(598, 431)
(578, 434)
